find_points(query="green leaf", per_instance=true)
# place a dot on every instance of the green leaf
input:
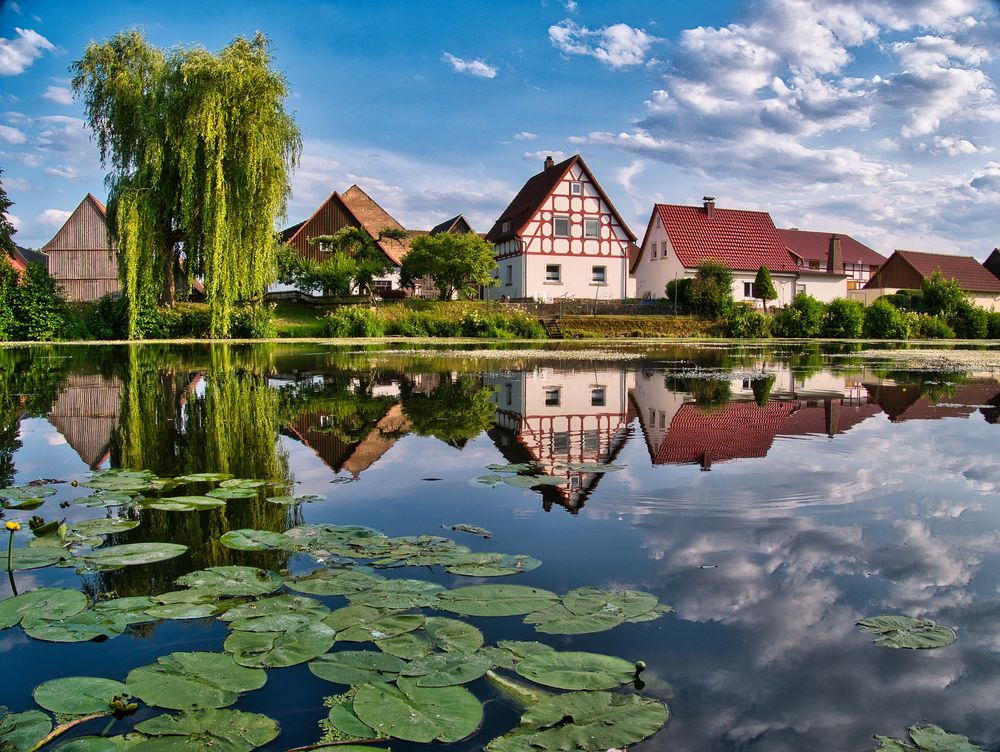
(102, 526)
(233, 580)
(398, 594)
(232, 493)
(81, 627)
(94, 744)
(184, 503)
(494, 565)
(288, 501)
(574, 670)
(334, 582)
(208, 729)
(591, 600)
(204, 477)
(36, 558)
(53, 603)
(182, 610)
(24, 506)
(487, 480)
(131, 610)
(78, 695)
(560, 620)
(907, 632)
(243, 483)
(256, 540)
(447, 669)
(19, 732)
(344, 719)
(495, 600)
(519, 467)
(275, 614)
(584, 721)
(184, 680)
(437, 632)
(131, 554)
(929, 739)
(21, 493)
(418, 714)
(354, 667)
(594, 467)
(274, 649)
(366, 624)
(463, 527)
(531, 481)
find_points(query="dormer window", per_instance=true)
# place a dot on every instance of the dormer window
(505, 226)
(576, 189)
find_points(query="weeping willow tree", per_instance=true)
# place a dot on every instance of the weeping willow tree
(199, 148)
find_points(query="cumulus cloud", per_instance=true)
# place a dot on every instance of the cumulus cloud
(58, 94)
(477, 67)
(53, 217)
(952, 146)
(11, 135)
(541, 154)
(525, 136)
(18, 53)
(617, 46)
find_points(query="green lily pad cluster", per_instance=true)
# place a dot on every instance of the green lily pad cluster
(927, 738)
(895, 631)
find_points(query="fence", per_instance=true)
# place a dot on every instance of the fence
(297, 296)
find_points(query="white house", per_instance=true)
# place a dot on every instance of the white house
(679, 238)
(819, 252)
(561, 237)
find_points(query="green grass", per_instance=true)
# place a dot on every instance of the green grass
(298, 320)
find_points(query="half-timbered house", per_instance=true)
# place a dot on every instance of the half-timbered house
(561, 237)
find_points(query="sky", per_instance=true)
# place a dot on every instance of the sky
(875, 118)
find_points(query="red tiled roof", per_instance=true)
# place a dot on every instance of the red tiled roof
(815, 246)
(742, 240)
(827, 419)
(969, 273)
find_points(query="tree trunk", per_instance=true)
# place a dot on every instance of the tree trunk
(167, 297)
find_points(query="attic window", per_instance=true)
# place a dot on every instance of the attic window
(576, 189)
(591, 228)
(652, 247)
(505, 226)
(560, 227)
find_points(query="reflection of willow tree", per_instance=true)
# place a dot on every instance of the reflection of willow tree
(348, 404)
(455, 411)
(172, 426)
(710, 395)
(30, 379)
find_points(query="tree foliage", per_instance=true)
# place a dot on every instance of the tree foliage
(333, 276)
(763, 286)
(7, 228)
(456, 262)
(711, 291)
(803, 318)
(199, 147)
(35, 308)
(359, 252)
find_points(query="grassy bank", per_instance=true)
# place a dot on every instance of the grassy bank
(616, 327)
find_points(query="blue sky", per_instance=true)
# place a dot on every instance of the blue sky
(879, 118)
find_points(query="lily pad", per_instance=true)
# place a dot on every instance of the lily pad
(36, 558)
(437, 633)
(184, 503)
(131, 554)
(19, 732)
(102, 526)
(518, 467)
(355, 667)
(495, 600)
(78, 695)
(907, 632)
(447, 669)
(560, 620)
(81, 627)
(494, 565)
(232, 493)
(222, 730)
(184, 680)
(274, 649)
(288, 501)
(531, 481)
(233, 580)
(343, 718)
(418, 714)
(334, 582)
(53, 603)
(275, 614)
(929, 739)
(26, 505)
(243, 483)
(584, 721)
(357, 623)
(256, 540)
(21, 493)
(594, 467)
(131, 610)
(398, 594)
(204, 477)
(487, 480)
(574, 670)
(182, 610)
(463, 527)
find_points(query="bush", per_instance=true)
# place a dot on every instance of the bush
(392, 294)
(40, 311)
(353, 321)
(679, 291)
(884, 321)
(8, 293)
(993, 324)
(805, 317)
(711, 291)
(932, 327)
(844, 319)
(744, 322)
(970, 321)
(252, 322)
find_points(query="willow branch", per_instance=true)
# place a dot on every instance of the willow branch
(60, 730)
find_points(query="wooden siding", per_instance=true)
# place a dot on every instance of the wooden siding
(86, 413)
(329, 218)
(81, 257)
(895, 274)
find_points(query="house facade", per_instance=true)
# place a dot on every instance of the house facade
(905, 270)
(561, 237)
(816, 252)
(81, 255)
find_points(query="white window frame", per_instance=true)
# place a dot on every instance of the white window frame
(591, 441)
(560, 443)
(505, 226)
(576, 188)
(599, 278)
(652, 247)
(591, 222)
(748, 291)
(555, 224)
(553, 277)
(553, 396)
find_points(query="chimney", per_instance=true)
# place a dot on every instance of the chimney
(549, 162)
(709, 206)
(835, 258)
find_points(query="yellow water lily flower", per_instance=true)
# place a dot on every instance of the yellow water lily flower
(13, 526)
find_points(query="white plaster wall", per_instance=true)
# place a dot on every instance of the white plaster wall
(652, 275)
(783, 285)
(576, 275)
(516, 287)
(657, 406)
(822, 287)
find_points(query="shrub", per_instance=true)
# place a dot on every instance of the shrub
(803, 318)
(993, 324)
(252, 322)
(932, 327)
(970, 321)
(40, 311)
(679, 291)
(844, 319)
(884, 321)
(745, 322)
(711, 291)
(353, 321)
(8, 293)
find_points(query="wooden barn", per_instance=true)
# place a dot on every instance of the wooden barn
(81, 256)
(87, 413)
(905, 270)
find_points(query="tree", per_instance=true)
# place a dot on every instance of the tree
(40, 311)
(456, 263)
(711, 290)
(7, 228)
(763, 286)
(199, 149)
(333, 276)
(370, 261)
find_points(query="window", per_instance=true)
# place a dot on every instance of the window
(591, 228)
(560, 227)
(591, 442)
(510, 274)
(801, 290)
(813, 264)
(553, 273)
(747, 384)
(508, 393)
(381, 285)
(560, 443)
(663, 419)
(325, 422)
(599, 274)
(505, 226)
(748, 291)
(597, 396)
(652, 247)
(553, 396)
(576, 189)
(652, 418)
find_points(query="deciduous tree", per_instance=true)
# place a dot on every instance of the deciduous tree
(369, 260)
(455, 262)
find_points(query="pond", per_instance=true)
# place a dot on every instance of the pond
(740, 508)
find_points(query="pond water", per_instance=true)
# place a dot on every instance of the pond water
(772, 496)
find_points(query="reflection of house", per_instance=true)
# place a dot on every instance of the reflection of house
(86, 413)
(905, 270)
(559, 417)
(908, 402)
(817, 251)
(561, 237)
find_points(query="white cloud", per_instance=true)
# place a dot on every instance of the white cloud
(14, 220)
(477, 67)
(617, 46)
(952, 146)
(11, 135)
(15, 8)
(53, 217)
(66, 172)
(525, 136)
(541, 154)
(59, 95)
(18, 53)
(570, 5)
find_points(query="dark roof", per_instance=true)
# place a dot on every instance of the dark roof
(993, 262)
(815, 246)
(289, 232)
(905, 402)
(451, 225)
(535, 191)
(969, 273)
(29, 256)
(634, 252)
(742, 240)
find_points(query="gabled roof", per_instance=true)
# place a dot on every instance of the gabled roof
(742, 240)
(533, 194)
(289, 232)
(455, 224)
(85, 228)
(993, 262)
(17, 263)
(29, 256)
(969, 273)
(815, 246)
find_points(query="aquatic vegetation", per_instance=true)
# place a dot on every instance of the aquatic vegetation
(907, 632)
(927, 738)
